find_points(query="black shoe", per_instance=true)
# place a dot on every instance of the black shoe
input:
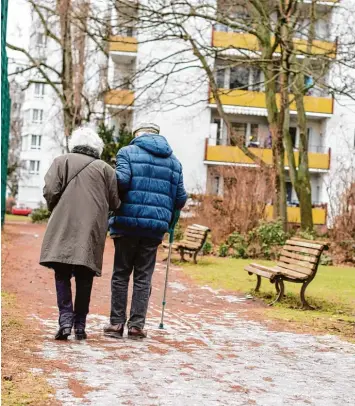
(135, 333)
(63, 333)
(114, 330)
(80, 334)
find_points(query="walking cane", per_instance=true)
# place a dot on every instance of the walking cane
(171, 240)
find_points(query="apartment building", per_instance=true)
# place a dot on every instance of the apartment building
(42, 129)
(197, 133)
(185, 109)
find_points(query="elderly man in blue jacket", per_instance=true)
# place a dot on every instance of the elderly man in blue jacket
(151, 188)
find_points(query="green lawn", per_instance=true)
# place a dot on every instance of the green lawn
(332, 292)
(14, 217)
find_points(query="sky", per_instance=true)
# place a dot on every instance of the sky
(18, 26)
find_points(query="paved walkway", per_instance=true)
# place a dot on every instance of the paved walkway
(209, 353)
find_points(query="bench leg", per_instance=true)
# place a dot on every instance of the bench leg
(280, 289)
(195, 257)
(182, 255)
(258, 283)
(305, 304)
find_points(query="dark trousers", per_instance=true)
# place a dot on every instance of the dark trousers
(69, 315)
(137, 255)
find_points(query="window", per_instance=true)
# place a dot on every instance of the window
(41, 40)
(37, 116)
(36, 141)
(293, 134)
(255, 79)
(254, 135)
(289, 192)
(239, 131)
(216, 185)
(220, 78)
(34, 167)
(239, 78)
(221, 28)
(39, 89)
(219, 131)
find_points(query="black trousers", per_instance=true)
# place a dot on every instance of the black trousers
(70, 315)
(137, 255)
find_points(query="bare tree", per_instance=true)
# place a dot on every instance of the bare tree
(73, 60)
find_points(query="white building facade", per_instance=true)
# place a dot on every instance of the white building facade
(175, 94)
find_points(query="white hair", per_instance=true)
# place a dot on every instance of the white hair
(88, 137)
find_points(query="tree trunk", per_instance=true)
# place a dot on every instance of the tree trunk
(303, 190)
(278, 151)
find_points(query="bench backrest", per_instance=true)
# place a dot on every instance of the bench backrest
(196, 234)
(300, 258)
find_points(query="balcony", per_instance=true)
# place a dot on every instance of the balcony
(119, 97)
(120, 43)
(236, 40)
(224, 154)
(246, 98)
(294, 215)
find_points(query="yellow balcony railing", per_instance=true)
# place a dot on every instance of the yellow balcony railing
(245, 98)
(120, 43)
(250, 42)
(229, 154)
(119, 97)
(294, 215)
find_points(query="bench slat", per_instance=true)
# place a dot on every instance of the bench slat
(263, 267)
(303, 264)
(292, 274)
(310, 251)
(195, 236)
(305, 244)
(311, 258)
(296, 268)
(265, 274)
(322, 243)
(200, 227)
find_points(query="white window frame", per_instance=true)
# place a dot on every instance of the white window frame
(39, 119)
(40, 86)
(38, 141)
(35, 169)
(44, 43)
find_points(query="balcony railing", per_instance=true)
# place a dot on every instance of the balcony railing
(122, 43)
(294, 215)
(119, 97)
(241, 40)
(246, 98)
(318, 157)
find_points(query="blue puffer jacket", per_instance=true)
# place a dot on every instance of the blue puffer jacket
(151, 187)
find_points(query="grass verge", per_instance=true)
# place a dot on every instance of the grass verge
(14, 217)
(332, 293)
(19, 386)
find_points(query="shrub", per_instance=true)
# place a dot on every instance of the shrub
(40, 215)
(245, 193)
(223, 250)
(178, 232)
(270, 236)
(307, 234)
(237, 245)
(10, 203)
(207, 248)
(326, 260)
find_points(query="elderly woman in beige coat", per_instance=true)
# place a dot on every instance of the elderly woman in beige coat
(80, 189)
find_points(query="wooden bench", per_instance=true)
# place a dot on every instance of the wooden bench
(194, 238)
(298, 263)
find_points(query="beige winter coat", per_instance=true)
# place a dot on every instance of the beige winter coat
(77, 229)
